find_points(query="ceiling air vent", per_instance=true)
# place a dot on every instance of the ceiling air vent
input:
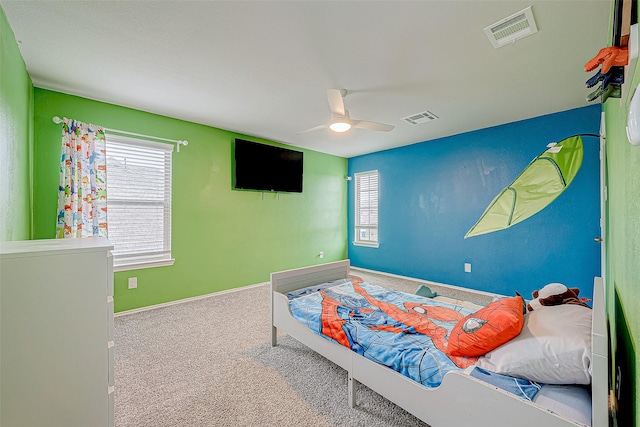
(512, 28)
(416, 119)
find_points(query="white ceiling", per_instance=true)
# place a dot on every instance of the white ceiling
(262, 68)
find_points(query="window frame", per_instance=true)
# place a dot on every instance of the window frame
(144, 259)
(358, 193)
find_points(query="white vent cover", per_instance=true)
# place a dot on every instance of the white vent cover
(512, 28)
(416, 119)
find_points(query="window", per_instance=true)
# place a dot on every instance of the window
(139, 202)
(366, 230)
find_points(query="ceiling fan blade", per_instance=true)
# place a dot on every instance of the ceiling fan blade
(336, 103)
(312, 129)
(363, 124)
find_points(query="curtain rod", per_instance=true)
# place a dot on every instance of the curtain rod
(58, 120)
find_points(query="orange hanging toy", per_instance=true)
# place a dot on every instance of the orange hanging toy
(608, 57)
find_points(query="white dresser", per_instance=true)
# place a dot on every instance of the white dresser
(56, 333)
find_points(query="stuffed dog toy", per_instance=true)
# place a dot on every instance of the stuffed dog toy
(555, 294)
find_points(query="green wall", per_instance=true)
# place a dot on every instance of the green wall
(623, 235)
(221, 238)
(623, 251)
(16, 138)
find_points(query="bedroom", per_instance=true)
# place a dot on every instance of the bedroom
(210, 220)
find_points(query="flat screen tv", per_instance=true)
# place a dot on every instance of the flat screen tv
(264, 167)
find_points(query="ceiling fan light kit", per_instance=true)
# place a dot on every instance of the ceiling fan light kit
(340, 120)
(340, 126)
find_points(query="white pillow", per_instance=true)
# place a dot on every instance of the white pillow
(554, 347)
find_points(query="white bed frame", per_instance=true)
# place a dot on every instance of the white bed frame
(460, 400)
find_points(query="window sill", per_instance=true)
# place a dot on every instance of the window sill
(140, 265)
(365, 244)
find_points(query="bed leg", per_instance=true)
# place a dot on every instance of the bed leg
(274, 336)
(352, 391)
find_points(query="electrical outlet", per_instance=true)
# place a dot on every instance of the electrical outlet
(467, 267)
(321, 254)
(133, 282)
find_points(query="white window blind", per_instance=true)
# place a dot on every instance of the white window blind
(366, 221)
(139, 202)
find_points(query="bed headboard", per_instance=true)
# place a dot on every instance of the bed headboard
(599, 357)
(289, 280)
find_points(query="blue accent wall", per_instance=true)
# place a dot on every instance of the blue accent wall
(432, 192)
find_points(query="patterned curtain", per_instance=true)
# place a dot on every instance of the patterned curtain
(82, 194)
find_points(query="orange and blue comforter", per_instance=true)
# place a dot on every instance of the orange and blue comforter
(406, 332)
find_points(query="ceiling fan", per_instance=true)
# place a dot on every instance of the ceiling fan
(340, 120)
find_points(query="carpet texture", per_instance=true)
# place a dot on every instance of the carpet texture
(209, 362)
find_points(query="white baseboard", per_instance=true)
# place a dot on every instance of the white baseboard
(429, 282)
(181, 301)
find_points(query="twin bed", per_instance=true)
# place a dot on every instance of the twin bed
(345, 321)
